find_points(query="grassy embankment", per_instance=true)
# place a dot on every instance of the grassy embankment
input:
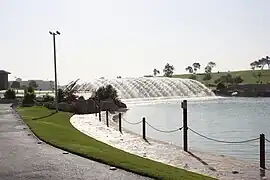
(57, 131)
(247, 76)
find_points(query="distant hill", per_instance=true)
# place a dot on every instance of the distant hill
(247, 75)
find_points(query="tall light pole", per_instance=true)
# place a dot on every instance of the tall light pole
(55, 72)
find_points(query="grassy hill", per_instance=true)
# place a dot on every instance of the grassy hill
(246, 75)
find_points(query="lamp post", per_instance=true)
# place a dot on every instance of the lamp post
(55, 72)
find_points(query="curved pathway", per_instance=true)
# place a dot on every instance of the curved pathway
(23, 157)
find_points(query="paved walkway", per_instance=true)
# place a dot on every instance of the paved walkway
(23, 158)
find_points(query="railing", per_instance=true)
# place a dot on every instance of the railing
(185, 129)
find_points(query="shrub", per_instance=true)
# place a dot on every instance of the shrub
(28, 99)
(48, 98)
(61, 95)
(10, 94)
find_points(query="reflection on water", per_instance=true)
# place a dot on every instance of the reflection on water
(230, 119)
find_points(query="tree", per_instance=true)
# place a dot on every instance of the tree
(238, 80)
(262, 62)
(33, 84)
(168, 70)
(15, 85)
(155, 72)
(254, 65)
(268, 61)
(257, 76)
(196, 66)
(189, 69)
(107, 92)
(211, 64)
(208, 69)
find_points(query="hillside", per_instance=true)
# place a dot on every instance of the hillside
(246, 75)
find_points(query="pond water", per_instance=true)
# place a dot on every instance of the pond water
(229, 119)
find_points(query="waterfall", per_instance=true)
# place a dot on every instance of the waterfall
(151, 87)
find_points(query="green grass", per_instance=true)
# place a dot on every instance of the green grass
(246, 75)
(57, 131)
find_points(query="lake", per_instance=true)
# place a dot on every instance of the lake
(229, 119)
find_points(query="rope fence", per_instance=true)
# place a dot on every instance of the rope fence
(132, 123)
(185, 129)
(159, 130)
(222, 141)
(164, 131)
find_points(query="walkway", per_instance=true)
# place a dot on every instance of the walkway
(23, 157)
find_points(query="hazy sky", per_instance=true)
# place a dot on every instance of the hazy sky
(130, 37)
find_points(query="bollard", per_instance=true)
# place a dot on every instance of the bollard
(120, 122)
(143, 128)
(107, 118)
(262, 151)
(99, 115)
(185, 127)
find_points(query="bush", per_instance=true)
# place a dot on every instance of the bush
(10, 94)
(61, 95)
(29, 99)
(48, 98)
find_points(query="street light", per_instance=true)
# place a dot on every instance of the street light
(55, 73)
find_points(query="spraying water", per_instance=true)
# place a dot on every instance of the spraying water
(151, 87)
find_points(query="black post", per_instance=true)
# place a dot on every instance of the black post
(120, 122)
(185, 126)
(262, 151)
(143, 128)
(107, 118)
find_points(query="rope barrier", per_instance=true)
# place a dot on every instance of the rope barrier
(267, 140)
(222, 141)
(164, 131)
(133, 123)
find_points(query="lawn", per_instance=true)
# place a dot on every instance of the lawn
(246, 75)
(57, 131)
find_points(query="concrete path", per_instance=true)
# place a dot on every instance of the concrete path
(23, 158)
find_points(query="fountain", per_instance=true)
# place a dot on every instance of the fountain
(150, 87)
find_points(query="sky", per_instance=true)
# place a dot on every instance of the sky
(129, 38)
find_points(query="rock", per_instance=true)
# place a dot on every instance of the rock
(85, 106)
(108, 105)
(235, 172)
(120, 104)
(112, 168)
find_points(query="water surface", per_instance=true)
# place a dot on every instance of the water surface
(229, 119)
